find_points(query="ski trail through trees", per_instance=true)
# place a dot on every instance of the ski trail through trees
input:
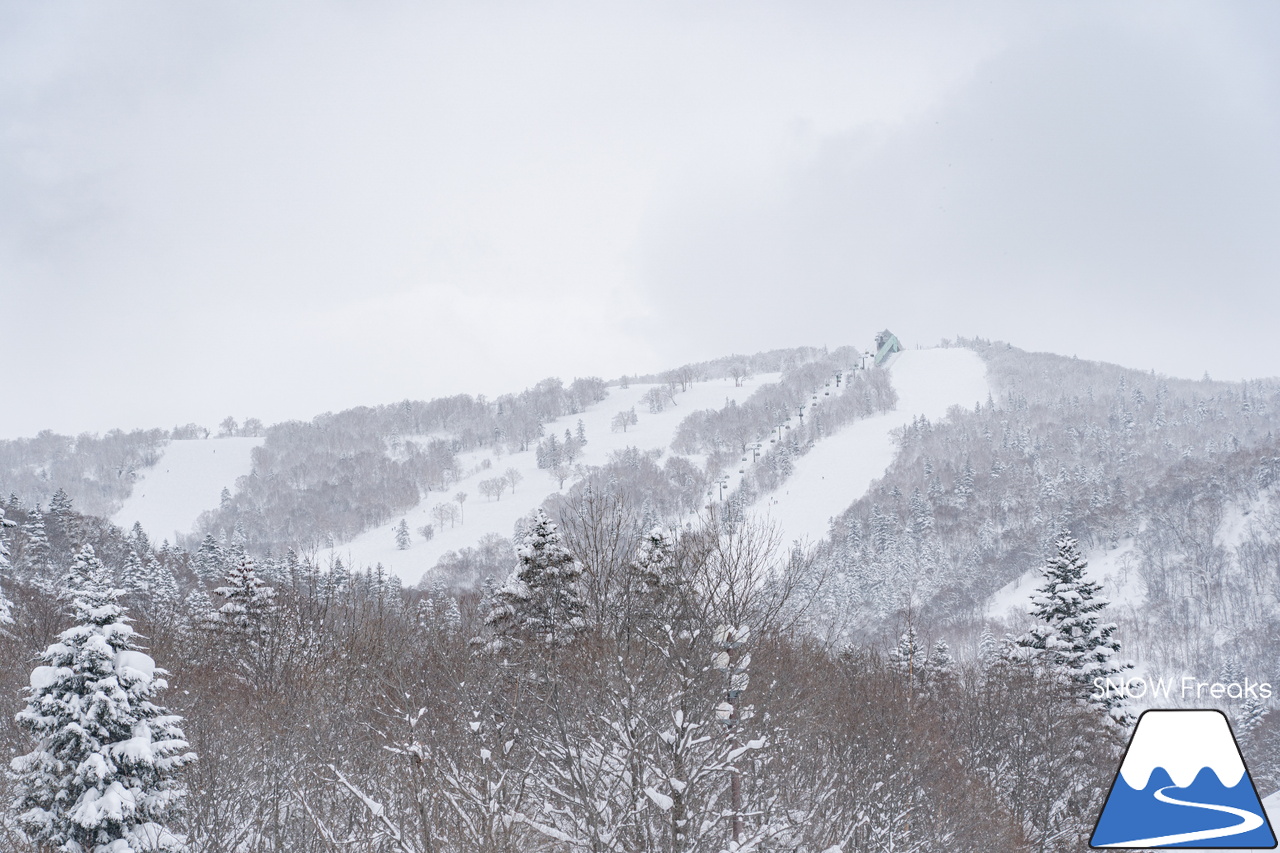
(841, 467)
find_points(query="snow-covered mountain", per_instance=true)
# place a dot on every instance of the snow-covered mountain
(925, 490)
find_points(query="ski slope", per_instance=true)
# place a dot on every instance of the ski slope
(841, 468)
(188, 479)
(482, 515)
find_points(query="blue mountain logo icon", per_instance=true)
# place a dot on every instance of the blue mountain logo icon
(1183, 783)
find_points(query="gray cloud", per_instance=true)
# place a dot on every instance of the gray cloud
(274, 210)
(1103, 188)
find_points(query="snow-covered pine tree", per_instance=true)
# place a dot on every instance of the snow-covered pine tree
(452, 619)
(163, 586)
(103, 776)
(6, 607)
(426, 617)
(134, 578)
(941, 662)
(208, 560)
(939, 669)
(654, 557)
(246, 599)
(141, 543)
(37, 554)
(402, 535)
(541, 602)
(988, 649)
(909, 656)
(1070, 635)
(199, 610)
(60, 504)
(1250, 715)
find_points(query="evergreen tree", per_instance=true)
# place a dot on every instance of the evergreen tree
(246, 599)
(541, 602)
(134, 577)
(37, 554)
(139, 539)
(208, 560)
(939, 667)
(103, 777)
(426, 614)
(655, 566)
(909, 656)
(60, 505)
(163, 586)
(941, 662)
(402, 535)
(1070, 636)
(452, 618)
(6, 607)
(199, 610)
(964, 486)
(1250, 716)
(654, 558)
(988, 649)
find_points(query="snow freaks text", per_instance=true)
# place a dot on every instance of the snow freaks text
(1186, 687)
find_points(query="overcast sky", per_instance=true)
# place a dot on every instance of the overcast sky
(275, 209)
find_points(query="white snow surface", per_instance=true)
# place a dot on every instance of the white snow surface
(1183, 743)
(43, 677)
(841, 467)
(139, 663)
(483, 515)
(188, 480)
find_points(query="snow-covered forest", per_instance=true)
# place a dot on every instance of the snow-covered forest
(644, 660)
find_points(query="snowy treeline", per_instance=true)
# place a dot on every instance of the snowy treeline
(1182, 472)
(736, 367)
(97, 472)
(329, 479)
(1106, 452)
(624, 688)
(316, 483)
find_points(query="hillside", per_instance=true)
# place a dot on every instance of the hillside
(842, 466)
(482, 515)
(927, 494)
(187, 479)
